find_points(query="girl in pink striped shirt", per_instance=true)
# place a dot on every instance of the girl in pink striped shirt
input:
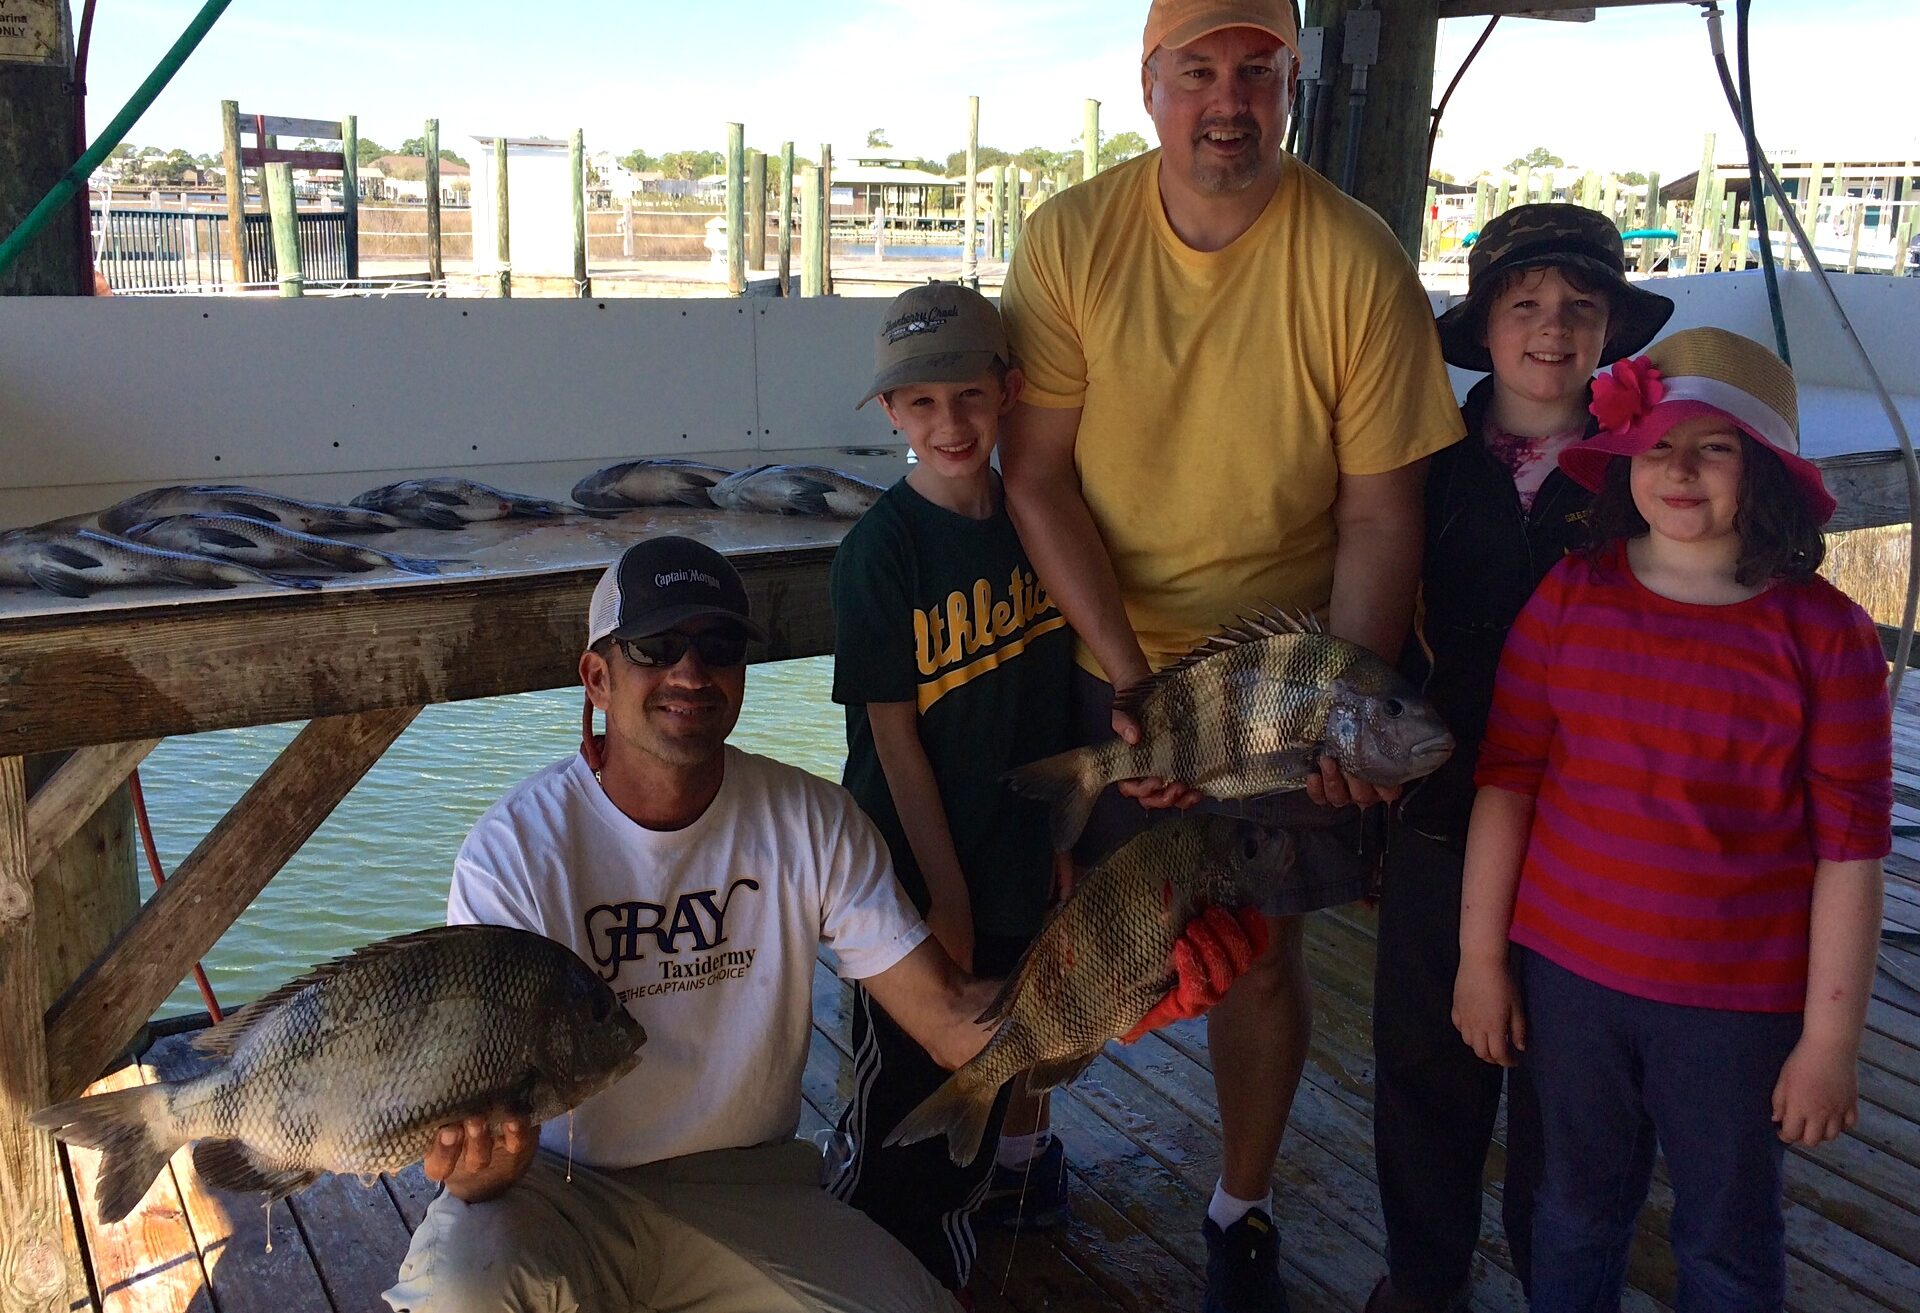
(1673, 874)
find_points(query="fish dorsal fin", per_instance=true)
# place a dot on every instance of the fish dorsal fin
(221, 1040)
(227, 1165)
(1257, 625)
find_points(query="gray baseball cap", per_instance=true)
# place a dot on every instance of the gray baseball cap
(937, 333)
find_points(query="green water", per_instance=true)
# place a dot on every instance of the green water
(380, 864)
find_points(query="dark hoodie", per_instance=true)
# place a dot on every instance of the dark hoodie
(1484, 557)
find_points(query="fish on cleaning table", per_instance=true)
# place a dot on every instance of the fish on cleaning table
(1250, 712)
(81, 562)
(661, 481)
(353, 1067)
(797, 490)
(450, 503)
(271, 546)
(233, 499)
(1100, 964)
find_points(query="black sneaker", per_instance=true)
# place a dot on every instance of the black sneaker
(1243, 1266)
(1030, 1198)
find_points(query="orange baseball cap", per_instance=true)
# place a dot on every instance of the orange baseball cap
(1175, 23)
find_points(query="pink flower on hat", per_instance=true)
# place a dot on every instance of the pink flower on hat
(1623, 395)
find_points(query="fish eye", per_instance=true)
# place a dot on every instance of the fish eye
(1249, 846)
(1394, 708)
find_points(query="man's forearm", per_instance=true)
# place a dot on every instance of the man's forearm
(1376, 573)
(935, 1002)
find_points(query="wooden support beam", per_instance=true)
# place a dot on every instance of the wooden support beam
(502, 235)
(1871, 487)
(106, 1006)
(1531, 8)
(256, 156)
(786, 218)
(36, 146)
(577, 176)
(757, 210)
(286, 229)
(281, 656)
(736, 209)
(826, 212)
(280, 125)
(350, 188)
(33, 1260)
(435, 270)
(813, 240)
(74, 792)
(236, 191)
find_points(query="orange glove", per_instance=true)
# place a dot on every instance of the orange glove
(1211, 953)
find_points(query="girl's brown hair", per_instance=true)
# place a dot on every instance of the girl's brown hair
(1778, 536)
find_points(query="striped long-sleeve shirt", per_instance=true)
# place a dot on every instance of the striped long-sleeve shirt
(1689, 766)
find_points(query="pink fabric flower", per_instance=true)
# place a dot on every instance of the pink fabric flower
(1624, 395)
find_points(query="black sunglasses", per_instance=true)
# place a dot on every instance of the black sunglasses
(719, 649)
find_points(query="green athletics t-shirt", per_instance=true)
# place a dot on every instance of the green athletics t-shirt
(944, 611)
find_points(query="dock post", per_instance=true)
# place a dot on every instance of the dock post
(1430, 226)
(1650, 219)
(1482, 202)
(757, 210)
(812, 219)
(826, 218)
(350, 189)
(736, 209)
(286, 228)
(626, 226)
(502, 236)
(1090, 140)
(1610, 198)
(236, 191)
(435, 271)
(1016, 211)
(33, 1263)
(577, 171)
(969, 252)
(996, 210)
(786, 218)
(1699, 231)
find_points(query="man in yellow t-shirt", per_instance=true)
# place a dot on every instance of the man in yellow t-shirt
(1233, 382)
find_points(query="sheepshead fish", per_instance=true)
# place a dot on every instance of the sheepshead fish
(1250, 712)
(796, 490)
(80, 562)
(449, 503)
(270, 546)
(1100, 964)
(659, 482)
(233, 499)
(352, 1067)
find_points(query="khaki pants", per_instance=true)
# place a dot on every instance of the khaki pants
(733, 1231)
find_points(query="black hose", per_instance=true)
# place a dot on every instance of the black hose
(1433, 130)
(1742, 17)
(1350, 164)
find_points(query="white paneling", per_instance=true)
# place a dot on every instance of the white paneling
(815, 358)
(539, 208)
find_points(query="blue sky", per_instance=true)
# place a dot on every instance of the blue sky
(1634, 90)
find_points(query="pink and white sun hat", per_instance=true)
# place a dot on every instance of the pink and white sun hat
(1698, 371)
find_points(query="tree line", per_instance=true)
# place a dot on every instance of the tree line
(691, 164)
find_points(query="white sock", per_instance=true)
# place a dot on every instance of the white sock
(1225, 1210)
(1016, 1151)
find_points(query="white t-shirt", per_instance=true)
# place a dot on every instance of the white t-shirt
(708, 934)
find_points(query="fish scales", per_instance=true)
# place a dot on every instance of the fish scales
(352, 1068)
(1100, 964)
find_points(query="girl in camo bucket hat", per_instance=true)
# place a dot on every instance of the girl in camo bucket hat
(1584, 246)
(1699, 371)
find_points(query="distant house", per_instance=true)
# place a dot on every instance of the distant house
(403, 178)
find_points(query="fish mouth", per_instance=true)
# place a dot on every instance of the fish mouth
(1439, 743)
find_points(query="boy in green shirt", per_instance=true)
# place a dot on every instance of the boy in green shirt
(953, 665)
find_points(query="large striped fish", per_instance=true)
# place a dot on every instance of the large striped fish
(1247, 713)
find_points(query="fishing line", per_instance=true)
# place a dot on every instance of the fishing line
(159, 882)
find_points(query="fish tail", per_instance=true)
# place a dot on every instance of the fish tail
(1068, 782)
(134, 1133)
(958, 1110)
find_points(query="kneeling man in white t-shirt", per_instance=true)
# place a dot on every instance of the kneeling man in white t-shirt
(701, 881)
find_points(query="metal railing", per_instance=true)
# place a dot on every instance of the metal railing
(185, 250)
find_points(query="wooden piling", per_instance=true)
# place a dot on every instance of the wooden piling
(1430, 226)
(813, 238)
(350, 189)
(577, 176)
(996, 211)
(502, 235)
(786, 218)
(970, 219)
(1482, 202)
(736, 209)
(1016, 211)
(286, 228)
(1699, 231)
(236, 191)
(1610, 198)
(1651, 219)
(33, 1263)
(1590, 190)
(757, 210)
(435, 270)
(826, 218)
(1090, 140)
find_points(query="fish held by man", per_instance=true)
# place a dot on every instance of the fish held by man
(254, 504)
(1101, 964)
(272, 546)
(660, 481)
(1250, 712)
(353, 1067)
(797, 490)
(81, 562)
(447, 502)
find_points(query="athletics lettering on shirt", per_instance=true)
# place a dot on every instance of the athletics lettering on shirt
(948, 637)
(616, 930)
